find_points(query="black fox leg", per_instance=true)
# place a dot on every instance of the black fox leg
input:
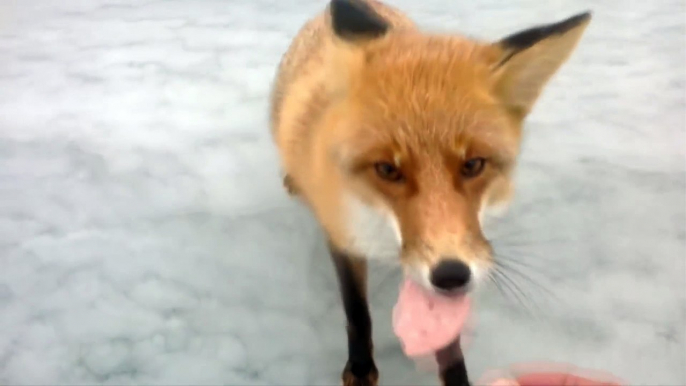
(452, 366)
(360, 369)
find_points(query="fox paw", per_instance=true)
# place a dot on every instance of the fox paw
(289, 185)
(362, 374)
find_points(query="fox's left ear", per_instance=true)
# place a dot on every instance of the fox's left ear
(524, 62)
(355, 25)
(355, 20)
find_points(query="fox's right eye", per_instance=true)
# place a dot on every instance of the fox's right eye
(473, 167)
(388, 172)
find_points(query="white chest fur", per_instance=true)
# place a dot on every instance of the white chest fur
(373, 232)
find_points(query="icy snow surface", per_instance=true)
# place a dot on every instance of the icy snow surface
(145, 237)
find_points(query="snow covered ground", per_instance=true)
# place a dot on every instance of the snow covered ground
(145, 237)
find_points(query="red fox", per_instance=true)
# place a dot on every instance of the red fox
(400, 141)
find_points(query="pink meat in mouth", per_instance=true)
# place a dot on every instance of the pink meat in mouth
(425, 321)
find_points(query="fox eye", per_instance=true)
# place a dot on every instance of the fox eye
(388, 172)
(472, 167)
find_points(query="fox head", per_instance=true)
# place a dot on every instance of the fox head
(426, 133)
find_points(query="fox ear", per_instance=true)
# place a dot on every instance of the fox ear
(354, 24)
(527, 60)
(354, 20)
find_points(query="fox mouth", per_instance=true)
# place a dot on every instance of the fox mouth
(426, 322)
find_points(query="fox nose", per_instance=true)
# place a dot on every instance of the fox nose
(450, 274)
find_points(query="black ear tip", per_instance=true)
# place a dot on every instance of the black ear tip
(355, 18)
(580, 18)
(531, 36)
(343, 8)
(337, 4)
(571, 23)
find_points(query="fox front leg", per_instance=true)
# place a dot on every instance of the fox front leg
(360, 370)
